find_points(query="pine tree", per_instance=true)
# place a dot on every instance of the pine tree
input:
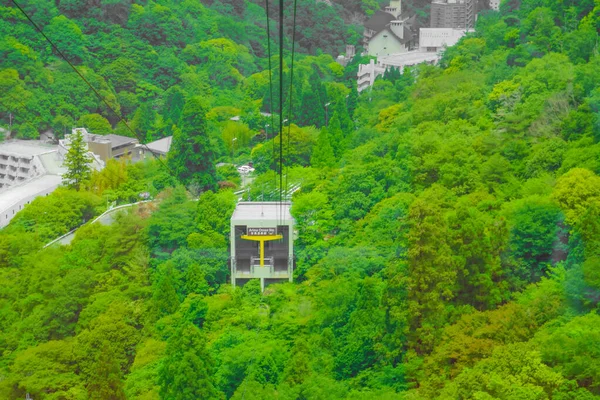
(143, 121)
(174, 103)
(165, 297)
(336, 136)
(191, 156)
(323, 155)
(77, 163)
(352, 100)
(310, 113)
(341, 110)
(187, 371)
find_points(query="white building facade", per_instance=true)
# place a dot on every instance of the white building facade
(28, 169)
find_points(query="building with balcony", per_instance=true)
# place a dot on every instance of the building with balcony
(262, 244)
(495, 5)
(28, 169)
(105, 147)
(432, 42)
(456, 14)
(438, 39)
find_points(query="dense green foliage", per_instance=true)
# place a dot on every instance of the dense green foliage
(448, 219)
(77, 163)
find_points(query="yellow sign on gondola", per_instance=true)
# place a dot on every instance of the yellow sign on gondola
(262, 239)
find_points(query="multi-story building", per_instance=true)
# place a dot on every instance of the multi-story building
(432, 41)
(28, 169)
(495, 4)
(437, 39)
(456, 14)
(389, 32)
(105, 147)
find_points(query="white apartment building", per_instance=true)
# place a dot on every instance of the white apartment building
(28, 169)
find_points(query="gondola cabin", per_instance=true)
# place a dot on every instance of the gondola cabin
(262, 244)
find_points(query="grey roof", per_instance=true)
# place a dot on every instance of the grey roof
(15, 194)
(379, 21)
(53, 163)
(118, 140)
(160, 146)
(262, 211)
(26, 147)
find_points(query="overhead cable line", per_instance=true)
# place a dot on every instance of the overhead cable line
(271, 90)
(121, 119)
(281, 107)
(291, 97)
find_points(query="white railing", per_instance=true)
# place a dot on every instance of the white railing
(104, 214)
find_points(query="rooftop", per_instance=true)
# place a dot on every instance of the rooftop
(26, 147)
(53, 163)
(30, 188)
(118, 140)
(409, 58)
(161, 145)
(262, 211)
(379, 21)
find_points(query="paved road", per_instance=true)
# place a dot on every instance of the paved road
(106, 218)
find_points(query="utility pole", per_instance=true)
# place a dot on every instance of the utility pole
(326, 116)
(9, 124)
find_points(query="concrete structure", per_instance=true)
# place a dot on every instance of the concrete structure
(344, 59)
(262, 244)
(158, 148)
(437, 39)
(106, 147)
(378, 21)
(12, 201)
(367, 73)
(28, 169)
(395, 8)
(393, 39)
(457, 14)
(495, 4)
(389, 32)
(432, 41)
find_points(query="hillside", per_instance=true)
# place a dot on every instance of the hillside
(448, 219)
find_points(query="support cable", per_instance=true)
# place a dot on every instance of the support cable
(121, 119)
(281, 106)
(291, 98)
(271, 90)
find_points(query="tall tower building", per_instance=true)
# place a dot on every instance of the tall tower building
(395, 8)
(456, 14)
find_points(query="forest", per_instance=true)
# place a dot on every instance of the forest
(448, 218)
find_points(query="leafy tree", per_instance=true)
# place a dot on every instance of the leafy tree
(187, 370)
(143, 122)
(323, 152)
(95, 123)
(432, 269)
(575, 191)
(105, 380)
(77, 163)
(68, 37)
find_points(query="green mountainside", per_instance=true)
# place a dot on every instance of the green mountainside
(448, 219)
